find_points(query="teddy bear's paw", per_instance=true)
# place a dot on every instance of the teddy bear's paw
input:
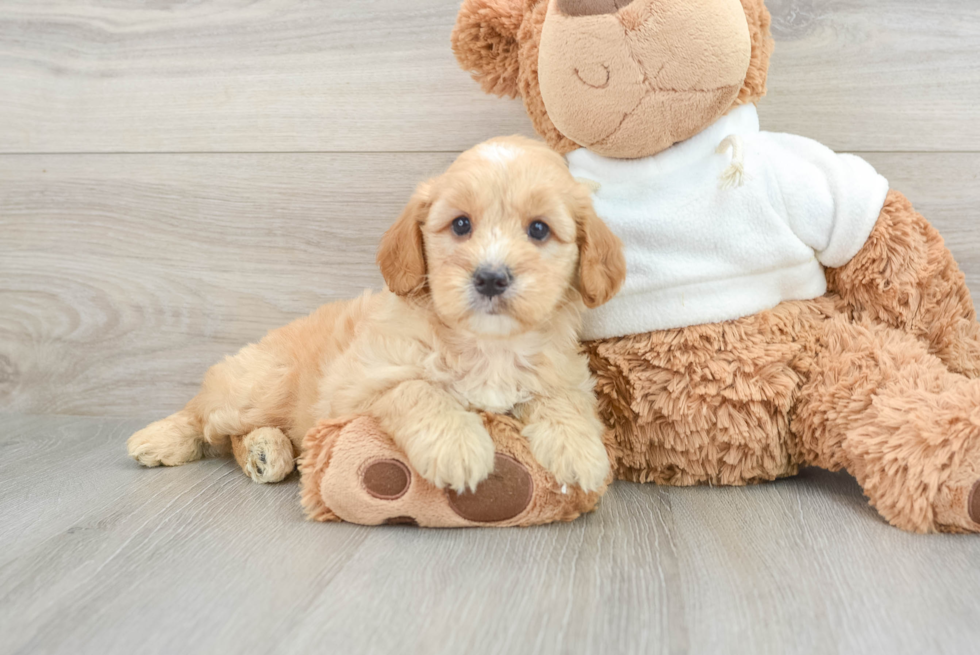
(956, 503)
(973, 504)
(957, 508)
(355, 471)
(455, 453)
(167, 442)
(573, 456)
(268, 455)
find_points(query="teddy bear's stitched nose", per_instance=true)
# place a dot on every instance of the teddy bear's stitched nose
(591, 7)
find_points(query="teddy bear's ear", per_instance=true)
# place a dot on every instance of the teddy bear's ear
(485, 43)
(762, 46)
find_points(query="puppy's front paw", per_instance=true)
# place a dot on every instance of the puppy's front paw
(455, 452)
(572, 455)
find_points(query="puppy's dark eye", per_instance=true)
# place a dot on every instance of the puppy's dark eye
(538, 230)
(461, 226)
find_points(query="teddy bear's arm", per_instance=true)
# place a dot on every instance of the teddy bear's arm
(905, 277)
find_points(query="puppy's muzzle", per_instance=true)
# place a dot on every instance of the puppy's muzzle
(492, 281)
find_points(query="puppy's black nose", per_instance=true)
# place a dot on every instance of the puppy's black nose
(492, 282)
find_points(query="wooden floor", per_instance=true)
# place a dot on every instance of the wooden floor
(178, 177)
(99, 556)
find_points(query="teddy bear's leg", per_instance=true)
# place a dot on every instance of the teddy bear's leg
(708, 404)
(265, 454)
(905, 277)
(353, 471)
(880, 405)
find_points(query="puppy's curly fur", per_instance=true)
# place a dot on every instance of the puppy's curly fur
(430, 351)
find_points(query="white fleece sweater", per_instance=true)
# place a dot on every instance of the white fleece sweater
(699, 253)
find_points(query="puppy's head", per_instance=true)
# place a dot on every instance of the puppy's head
(501, 240)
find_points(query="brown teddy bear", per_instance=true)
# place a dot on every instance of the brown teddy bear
(783, 307)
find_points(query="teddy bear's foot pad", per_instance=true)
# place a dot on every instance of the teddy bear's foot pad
(387, 479)
(957, 507)
(974, 503)
(502, 496)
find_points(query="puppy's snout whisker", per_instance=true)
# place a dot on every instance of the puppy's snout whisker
(492, 281)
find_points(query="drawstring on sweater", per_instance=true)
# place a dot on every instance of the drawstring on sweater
(591, 185)
(734, 175)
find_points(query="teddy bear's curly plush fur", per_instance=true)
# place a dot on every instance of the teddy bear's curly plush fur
(879, 376)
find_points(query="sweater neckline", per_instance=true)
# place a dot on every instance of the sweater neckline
(742, 120)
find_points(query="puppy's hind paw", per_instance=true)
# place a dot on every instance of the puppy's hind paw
(265, 455)
(170, 442)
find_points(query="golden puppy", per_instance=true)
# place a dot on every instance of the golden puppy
(488, 269)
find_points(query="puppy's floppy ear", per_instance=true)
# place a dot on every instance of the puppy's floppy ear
(485, 43)
(401, 255)
(602, 265)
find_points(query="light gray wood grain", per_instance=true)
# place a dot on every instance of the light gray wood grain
(238, 75)
(123, 277)
(289, 75)
(876, 75)
(100, 556)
